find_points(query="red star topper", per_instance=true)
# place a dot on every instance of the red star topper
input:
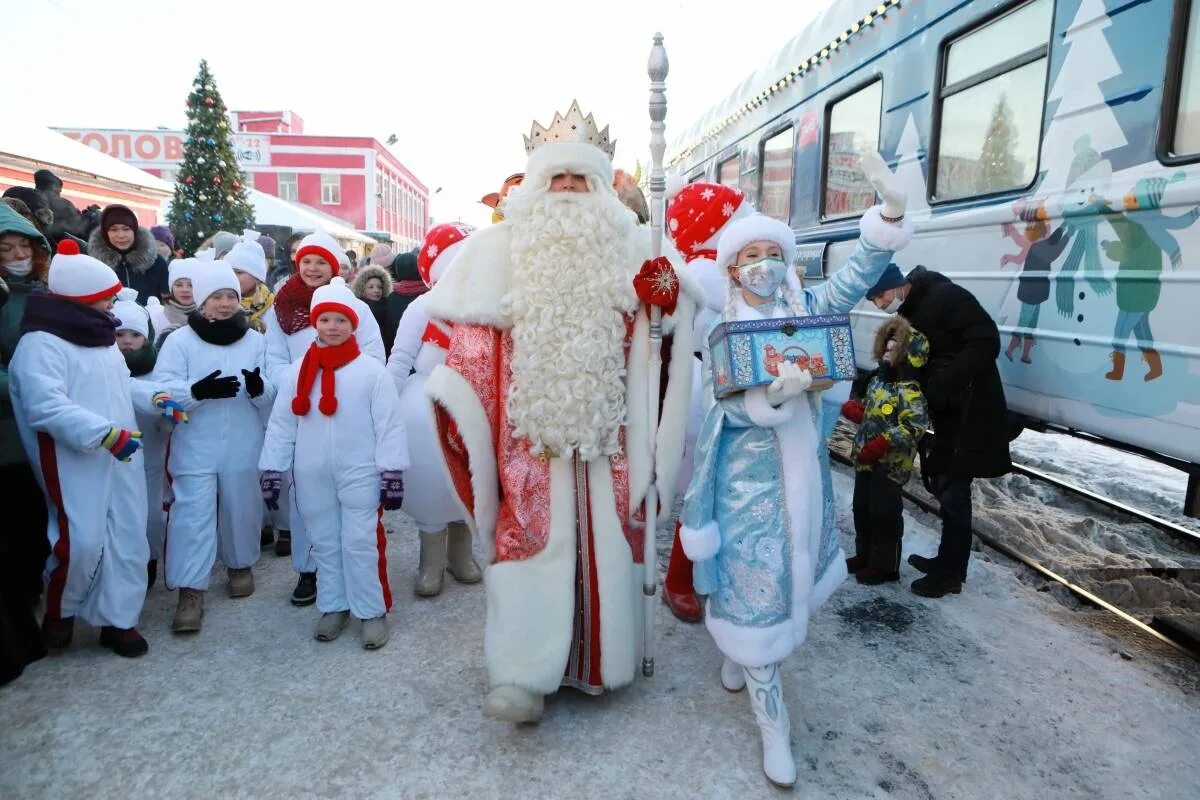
(656, 285)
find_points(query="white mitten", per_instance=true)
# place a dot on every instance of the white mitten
(792, 381)
(885, 183)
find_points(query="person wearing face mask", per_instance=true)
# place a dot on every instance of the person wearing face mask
(966, 406)
(758, 518)
(216, 366)
(130, 251)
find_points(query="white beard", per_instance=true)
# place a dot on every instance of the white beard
(571, 289)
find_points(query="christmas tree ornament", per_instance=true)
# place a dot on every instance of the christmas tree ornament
(221, 164)
(216, 180)
(211, 142)
(216, 218)
(187, 215)
(208, 101)
(189, 180)
(201, 197)
(235, 185)
(200, 159)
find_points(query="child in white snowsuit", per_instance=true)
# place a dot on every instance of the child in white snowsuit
(215, 365)
(74, 404)
(337, 428)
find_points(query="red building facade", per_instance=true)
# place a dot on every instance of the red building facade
(352, 178)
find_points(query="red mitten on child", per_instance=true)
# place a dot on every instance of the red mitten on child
(853, 410)
(874, 450)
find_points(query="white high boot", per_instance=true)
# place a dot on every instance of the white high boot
(513, 704)
(733, 676)
(766, 698)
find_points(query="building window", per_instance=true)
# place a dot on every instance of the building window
(331, 190)
(1180, 130)
(729, 172)
(775, 191)
(288, 187)
(852, 127)
(992, 97)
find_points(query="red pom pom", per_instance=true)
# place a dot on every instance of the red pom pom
(328, 405)
(68, 247)
(300, 406)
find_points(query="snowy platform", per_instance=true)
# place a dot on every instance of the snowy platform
(1000, 692)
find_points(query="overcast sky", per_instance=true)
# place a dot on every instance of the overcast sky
(457, 82)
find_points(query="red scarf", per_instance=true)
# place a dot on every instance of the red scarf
(325, 359)
(291, 304)
(409, 288)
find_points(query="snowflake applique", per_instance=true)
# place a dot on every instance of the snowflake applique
(665, 280)
(431, 251)
(727, 209)
(707, 194)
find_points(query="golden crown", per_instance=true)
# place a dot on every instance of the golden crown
(573, 127)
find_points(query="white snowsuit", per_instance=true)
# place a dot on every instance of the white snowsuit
(428, 496)
(284, 349)
(212, 464)
(335, 464)
(66, 397)
(156, 432)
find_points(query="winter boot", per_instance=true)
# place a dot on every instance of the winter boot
(855, 563)
(1154, 361)
(189, 611)
(374, 632)
(266, 536)
(460, 560)
(1118, 368)
(766, 698)
(1013, 344)
(283, 542)
(125, 642)
(873, 576)
(923, 564)
(305, 593)
(241, 582)
(1025, 359)
(432, 570)
(733, 677)
(513, 704)
(56, 633)
(936, 585)
(330, 625)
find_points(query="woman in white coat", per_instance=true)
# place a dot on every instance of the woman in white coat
(289, 334)
(420, 345)
(336, 427)
(215, 365)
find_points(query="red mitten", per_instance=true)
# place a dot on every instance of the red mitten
(657, 285)
(853, 410)
(874, 450)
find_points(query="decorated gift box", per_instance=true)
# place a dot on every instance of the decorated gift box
(749, 353)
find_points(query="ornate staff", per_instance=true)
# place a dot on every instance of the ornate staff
(657, 69)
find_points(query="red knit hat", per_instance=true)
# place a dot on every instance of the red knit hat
(334, 296)
(698, 212)
(440, 249)
(320, 243)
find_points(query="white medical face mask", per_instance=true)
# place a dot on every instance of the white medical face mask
(762, 277)
(19, 269)
(894, 306)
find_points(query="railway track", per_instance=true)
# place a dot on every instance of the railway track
(1174, 637)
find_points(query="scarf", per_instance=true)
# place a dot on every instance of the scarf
(256, 305)
(292, 304)
(68, 320)
(141, 361)
(409, 288)
(220, 332)
(325, 359)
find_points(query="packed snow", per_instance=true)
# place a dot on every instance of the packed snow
(997, 692)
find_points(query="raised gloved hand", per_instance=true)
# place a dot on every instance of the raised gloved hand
(657, 285)
(854, 411)
(874, 450)
(212, 387)
(122, 443)
(792, 381)
(886, 184)
(391, 489)
(271, 484)
(254, 382)
(170, 408)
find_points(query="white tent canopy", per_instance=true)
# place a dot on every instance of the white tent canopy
(270, 210)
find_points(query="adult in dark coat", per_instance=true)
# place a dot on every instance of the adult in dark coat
(67, 218)
(131, 251)
(966, 405)
(406, 287)
(43, 216)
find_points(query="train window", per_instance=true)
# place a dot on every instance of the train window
(699, 176)
(775, 190)
(853, 127)
(992, 97)
(729, 172)
(1181, 98)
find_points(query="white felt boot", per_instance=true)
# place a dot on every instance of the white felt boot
(733, 676)
(766, 698)
(513, 704)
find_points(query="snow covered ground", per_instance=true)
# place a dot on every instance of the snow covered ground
(996, 693)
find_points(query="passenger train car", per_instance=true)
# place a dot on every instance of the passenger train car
(1050, 152)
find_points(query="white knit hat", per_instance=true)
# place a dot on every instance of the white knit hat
(320, 243)
(130, 316)
(334, 296)
(213, 277)
(248, 257)
(180, 268)
(755, 228)
(80, 278)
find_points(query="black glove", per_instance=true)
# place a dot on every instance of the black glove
(254, 382)
(210, 387)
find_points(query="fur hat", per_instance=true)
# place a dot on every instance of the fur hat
(213, 277)
(441, 247)
(130, 316)
(334, 296)
(80, 278)
(755, 228)
(320, 243)
(163, 234)
(45, 180)
(248, 257)
(367, 273)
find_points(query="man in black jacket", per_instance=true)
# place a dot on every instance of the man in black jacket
(966, 405)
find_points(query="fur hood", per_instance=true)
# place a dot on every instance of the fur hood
(914, 347)
(139, 259)
(365, 274)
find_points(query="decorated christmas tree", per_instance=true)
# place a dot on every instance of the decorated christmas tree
(210, 192)
(999, 168)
